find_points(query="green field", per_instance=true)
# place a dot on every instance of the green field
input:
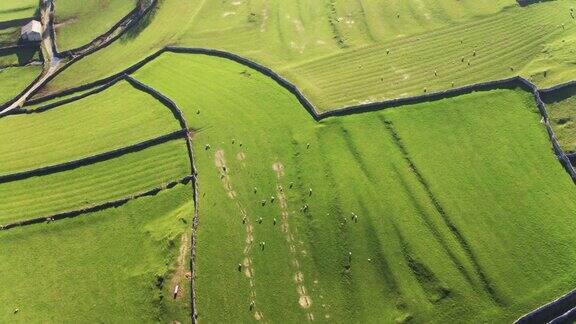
(435, 188)
(563, 118)
(454, 210)
(478, 43)
(114, 118)
(78, 22)
(94, 184)
(17, 9)
(14, 80)
(101, 267)
(10, 13)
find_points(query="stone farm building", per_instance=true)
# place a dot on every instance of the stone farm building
(32, 31)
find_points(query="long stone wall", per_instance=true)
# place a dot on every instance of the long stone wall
(184, 124)
(66, 100)
(515, 82)
(97, 44)
(550, 311)
(567, 318)
(70, 165)
(95, 208)
(125, 22)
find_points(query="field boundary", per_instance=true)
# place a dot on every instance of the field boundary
(508, 83)
(92, 159)
(126, 22)
(572, 158)
(568, 317)
(184, 124)
(95, 208)
(95, 45)
(564, 305)
(50, 106)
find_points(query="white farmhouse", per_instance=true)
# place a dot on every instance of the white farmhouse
(32, 31)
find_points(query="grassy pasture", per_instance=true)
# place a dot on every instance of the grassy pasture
(563, 119)
(94, 184)
(31, 106)
(489, 48)
(17, 9)
(535, 42)
(78, 22)
(101, 267)
(300, 30)
(10, 13)
(114, 118)
(164, 28)
(463, 212)
(15, 79)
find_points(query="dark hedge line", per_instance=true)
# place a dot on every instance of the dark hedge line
(87, 210)
(70, 165)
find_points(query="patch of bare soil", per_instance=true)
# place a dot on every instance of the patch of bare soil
(181, 275)
(246, 266)
(304, 299)
(279, 169)
(66, 22)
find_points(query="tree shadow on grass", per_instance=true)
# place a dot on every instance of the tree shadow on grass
(134, 31)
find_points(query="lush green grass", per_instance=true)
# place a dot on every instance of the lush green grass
(94, 184)
(336, 51)
(117, 117)
(510, 43)
(15, 79)
(13, 10)
(16, 9)
(56, 99)
(464, 214)
(78, 22)
(163, 29)
(100, 267)
(563, 118)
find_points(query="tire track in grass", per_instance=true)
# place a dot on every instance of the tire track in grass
(348, 282)
(426, 218)
(382, 265)
(487, 285)
(247, 264)
(304, 299)
(353, 149)
(365, 22)
(332, 14)
(434, 289)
